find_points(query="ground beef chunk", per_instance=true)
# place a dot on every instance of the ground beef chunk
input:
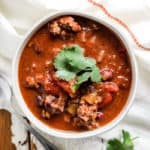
(31, 82)
(36, 46)
(77, 122)
(55, 105)
(54, 28)
(64, 27)
(69, 23)
(59, 103)
(87, 112)
(86, 115)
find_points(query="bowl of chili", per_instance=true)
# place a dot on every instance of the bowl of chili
(74, 75)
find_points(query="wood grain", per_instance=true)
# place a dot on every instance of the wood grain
(6, 134)
(5, 131)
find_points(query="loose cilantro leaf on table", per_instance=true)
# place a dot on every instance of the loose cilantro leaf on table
(126, 143)
(115, 144)
(71, 63)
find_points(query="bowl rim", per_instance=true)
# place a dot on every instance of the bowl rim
(61, 133)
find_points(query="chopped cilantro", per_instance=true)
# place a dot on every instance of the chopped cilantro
(65, 74)
(95, 75)
(75, 87)
(126, 143)
(71, 63)
(83, 77)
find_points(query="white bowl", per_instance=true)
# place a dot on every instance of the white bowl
(60, 133)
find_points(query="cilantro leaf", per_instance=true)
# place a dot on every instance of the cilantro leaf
(83, 77)
(71, 63)
(79, 63)
(127, 141)
(115, 144)
(65, 75)
(60, 61)
(95, 75)
(82, 62)
(75, 87)
(75, 49)
(125, 144)
(90, 62)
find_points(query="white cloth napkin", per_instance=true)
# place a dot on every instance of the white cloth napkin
(17, 16)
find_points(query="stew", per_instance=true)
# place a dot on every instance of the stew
(75, 74)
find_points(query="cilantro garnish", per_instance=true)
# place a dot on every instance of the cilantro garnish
(71, 63)
(126, 143)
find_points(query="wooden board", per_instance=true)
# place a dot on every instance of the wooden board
(6, 134)
(5, 131)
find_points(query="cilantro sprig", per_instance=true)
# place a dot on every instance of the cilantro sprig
(126, 142)
(71, 63)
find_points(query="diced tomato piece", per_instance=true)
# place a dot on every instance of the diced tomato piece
(50, 87)
(107, 98)
(66, 86)
(111, 87)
